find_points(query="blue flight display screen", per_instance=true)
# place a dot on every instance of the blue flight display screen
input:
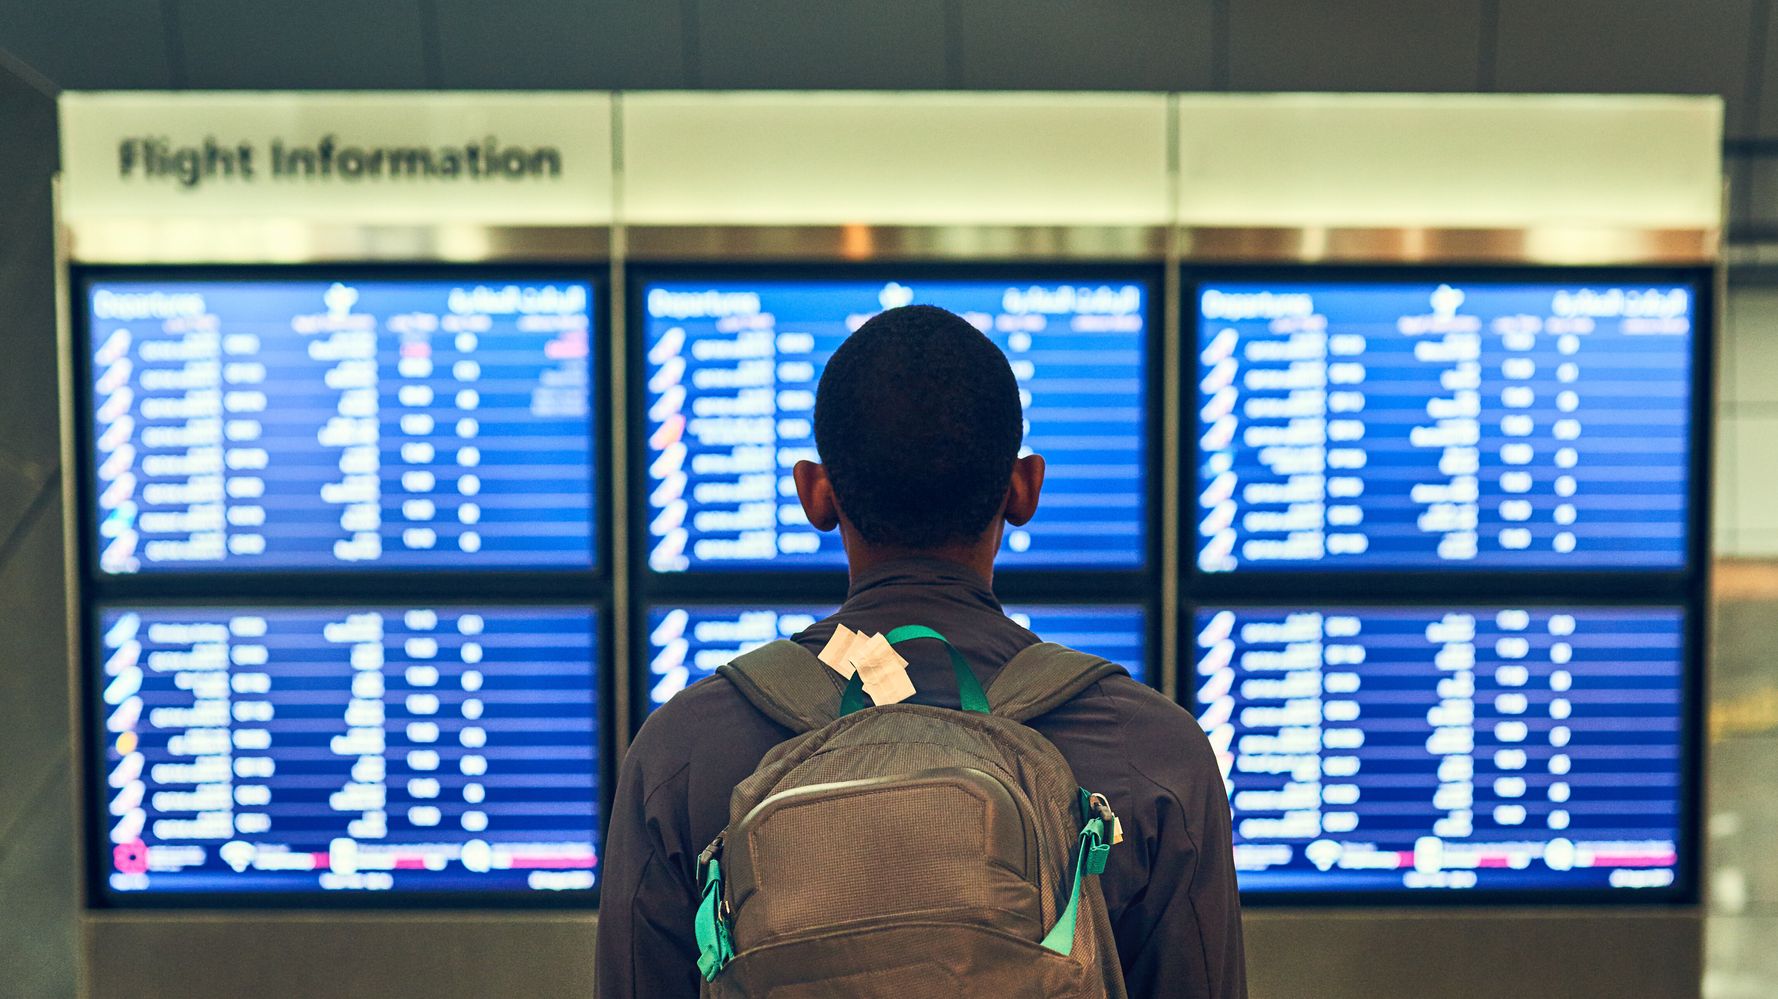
(281, 424)
(1435, 749)
(686, 644)
(355, 750)
(1420, 426)
(731, 373)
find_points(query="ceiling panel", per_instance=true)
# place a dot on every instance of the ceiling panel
(1628, 46)
(1362, 45)
(89, 44)
(1087, 44)
(313, 45)
(559, 44)
(836, 44)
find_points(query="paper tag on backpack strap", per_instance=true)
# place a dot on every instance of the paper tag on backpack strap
(885, 672)
(893, 688)
(834, 652)
(849, 657)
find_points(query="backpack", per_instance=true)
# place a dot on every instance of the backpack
(906, 850)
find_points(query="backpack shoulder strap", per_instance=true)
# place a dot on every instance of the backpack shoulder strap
(1044, 677)
(788, 683)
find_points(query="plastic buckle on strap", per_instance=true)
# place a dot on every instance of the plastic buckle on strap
(1089, 860)
(1095, 851)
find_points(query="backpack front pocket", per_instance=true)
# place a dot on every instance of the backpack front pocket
(943, 841)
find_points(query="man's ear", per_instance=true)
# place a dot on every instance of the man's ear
(1021, 494)
(816, 493)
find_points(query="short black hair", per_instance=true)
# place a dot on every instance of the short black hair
(918, 423)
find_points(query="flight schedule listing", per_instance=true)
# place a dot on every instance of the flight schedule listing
(731, 374)
(1447, 749)
(314, 424)
(1399, 426)
(687, 644)
(410, 749)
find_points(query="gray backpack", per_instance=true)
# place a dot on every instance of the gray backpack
(906, 851)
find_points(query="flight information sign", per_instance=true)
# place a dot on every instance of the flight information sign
(353, 750)
(729, 396)
(1419, 426)
(1431, 749)
(313, 424)
(686, 644)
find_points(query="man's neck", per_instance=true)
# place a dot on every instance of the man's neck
(863, 557)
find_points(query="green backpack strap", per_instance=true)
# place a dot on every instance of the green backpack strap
(788, 683)
(1044, 677)
(969, 689)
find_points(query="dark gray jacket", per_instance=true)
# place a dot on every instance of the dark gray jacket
(1170, 886)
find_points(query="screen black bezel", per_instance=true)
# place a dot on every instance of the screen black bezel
(100, 894)
(1457, 582)
(248, 588)
(273, 582)
(1136, 583)
(639, 707)
(1685, 888)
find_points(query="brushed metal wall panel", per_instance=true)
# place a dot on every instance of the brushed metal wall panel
(551, 45)
(319, 45)
(1551, 954)
(37, 927)
(91, 44)
(1385, 45)
(1629, 47)
(1087, 44)
(30, 444)
(1485, 954)
(407, 956)
(840, 44)
(38, 897)
(34, 737)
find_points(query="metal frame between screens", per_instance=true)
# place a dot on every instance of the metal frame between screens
(1686, 588)
(639, 628)
(589, 589)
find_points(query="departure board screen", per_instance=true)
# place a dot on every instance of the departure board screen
(686, 644)
(313, 424)
(1434, 749)
(352, 750)
(1419, 426)
(731, 373)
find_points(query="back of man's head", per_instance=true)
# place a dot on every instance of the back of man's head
(918, 422)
